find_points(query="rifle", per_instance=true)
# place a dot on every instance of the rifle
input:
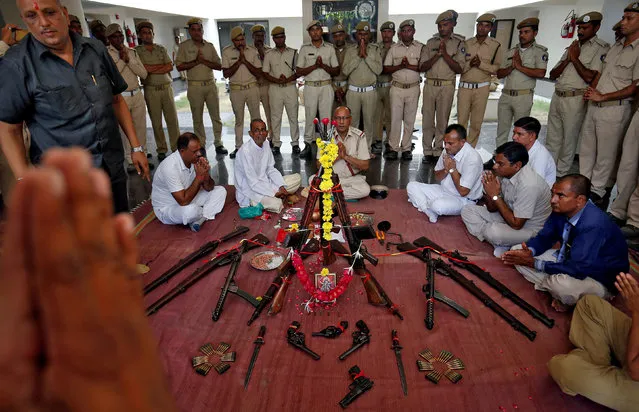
(229, 284)
(222, 259)
(360, 385)
(462, 261)
(447, 270)
(207, 248)
(432, 294)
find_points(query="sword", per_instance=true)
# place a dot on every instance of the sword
(258, 343)
(400, 365)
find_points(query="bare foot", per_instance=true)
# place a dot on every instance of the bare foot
(73, 334)
(558, 306)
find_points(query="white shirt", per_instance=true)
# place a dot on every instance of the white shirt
(171, 176)
(470, 167)
(540, 159)
(255, 173)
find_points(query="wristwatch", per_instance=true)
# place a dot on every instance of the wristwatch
(495, 198)
(137, 149)
(451, 171)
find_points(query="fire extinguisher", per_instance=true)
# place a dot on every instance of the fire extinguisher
(129, 37)
(570, 22)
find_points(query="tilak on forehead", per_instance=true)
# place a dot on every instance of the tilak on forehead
(36, 5)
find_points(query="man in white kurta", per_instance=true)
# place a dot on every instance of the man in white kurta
(183, 191)
(256, 178)
(526, 132)
(458, 170)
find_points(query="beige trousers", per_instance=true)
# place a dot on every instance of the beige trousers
(264, 99)
(367, 103)
(137, 108)
(383, 113)
(160, 102)
(565, 118)
(198, 96)
(403, 109)
(628, 169)
(509, 110)
(471, 105)
(436, 107)
(602, 136)
(316, 98)
(632, 215)
(273, 204)
(599, 331)
(279, 99)
(239, 98)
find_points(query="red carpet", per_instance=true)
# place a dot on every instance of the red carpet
(503, 368)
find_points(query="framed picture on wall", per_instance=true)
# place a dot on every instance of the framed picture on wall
(503, 32)
(349, 13)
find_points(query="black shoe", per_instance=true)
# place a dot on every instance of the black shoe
(412, 147)
(376, 148)
(221, 150)
(390, 155)
(148, 155)
(407, 156)
(233, 154)
(296, 149)
(600, 202)
(306, 153)
(275, 150)
(161, 156)
(151, 166)
(387, 147)
(616, 220)
(630, 231)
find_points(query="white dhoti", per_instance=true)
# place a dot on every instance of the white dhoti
(273, 204)
(491, 227)
(562, 287)
(205, 205)
(433, 200)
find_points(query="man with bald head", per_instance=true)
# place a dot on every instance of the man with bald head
(82, 105)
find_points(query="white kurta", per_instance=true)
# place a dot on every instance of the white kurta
(443, 198)
(540, 159)
(172, 176)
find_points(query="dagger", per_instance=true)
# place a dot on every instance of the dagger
(400, 365)
(258, 343)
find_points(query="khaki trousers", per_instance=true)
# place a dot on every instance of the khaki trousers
(403, 109)
(316, 98)
(628, 169)
(264, 99)
(159, 102)
(509, 110)
(280, 98)
(599, 331)
(137, 108)
(365, 102)
(471, 105)
(198, 96)
(436, 107)
(292, 184)
(240, 98)
(602, 136)
(383, 113)
(565, 118)
(632, 215)
(491, 227)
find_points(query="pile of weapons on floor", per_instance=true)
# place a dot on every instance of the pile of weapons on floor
(274, 297)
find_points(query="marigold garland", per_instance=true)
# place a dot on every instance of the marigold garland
(316, 294)
(328, 154)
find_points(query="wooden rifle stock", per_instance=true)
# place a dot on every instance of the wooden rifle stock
(204, 250)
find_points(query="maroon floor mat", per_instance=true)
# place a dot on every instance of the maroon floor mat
(504, 371)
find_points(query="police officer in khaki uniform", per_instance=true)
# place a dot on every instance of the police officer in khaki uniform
(132, 70)
(617, 29)
(574, 72)
(317, 62)
(442, 58)
(383, 116)
(259, 32)
(522, 66)
(199, 58)
(628, 170)
(278, 69)
(609, 112)
(340, 81)
(158, 92)
(362, 64)
(483, 58)
(98, 30)
(242, 66)
(402, 61)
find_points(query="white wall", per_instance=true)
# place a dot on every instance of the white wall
(612, 11)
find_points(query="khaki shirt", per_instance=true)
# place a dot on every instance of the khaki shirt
(490, 55)
(130, 71)
(362, 72)
(356, 146)
(591, 56)
(262, 81)
(620, 67)
(280, 62)
(188, 52)
(394, 58)
(157, 55)
(243, 75)
(528, 195)
(309, 54)
(341, 54)
(384, 78)
(455, 47)
(534, 57)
